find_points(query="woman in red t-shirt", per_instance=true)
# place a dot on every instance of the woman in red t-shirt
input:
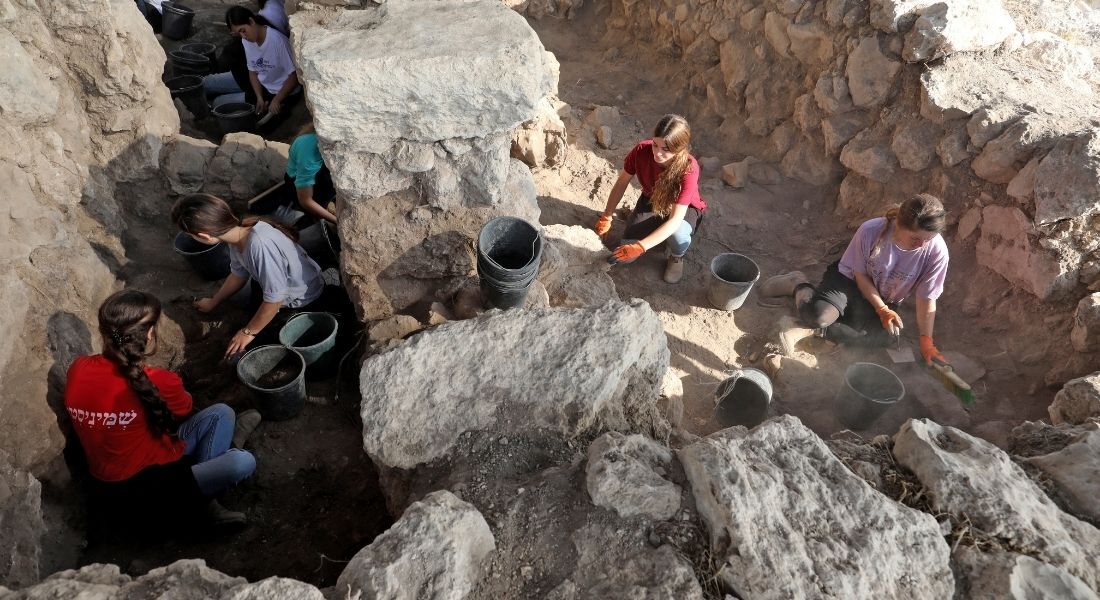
(670, 207)
(132, 420)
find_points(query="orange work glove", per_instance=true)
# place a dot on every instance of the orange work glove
(627, 253)
(928, 350)
(603, 225)
(891, 321)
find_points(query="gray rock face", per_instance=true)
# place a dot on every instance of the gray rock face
(944, 28)
(600, 366)
(1085, 334)
(21, 525)
(184, 161)
(971, 478)
(627, 475)
(1010, 576)
(1006, 246)
(779, 481)
(541, 141)
(243, 165)
(434, 551)
(1067, 180)
(1077, 401)
(181, 580)
(870, 73)
(1076, 474)
(574, 267)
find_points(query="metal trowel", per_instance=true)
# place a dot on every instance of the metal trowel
(897, 353)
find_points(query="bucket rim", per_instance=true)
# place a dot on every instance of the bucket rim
(177, 8)
(240, 112)
(876, 367)
(537, 241)
(207, 248)
(207, 45)
(309, 315)
(739, 255)
(268, 348)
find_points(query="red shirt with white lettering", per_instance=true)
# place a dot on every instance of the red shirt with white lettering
(640, 162)
(110, 420)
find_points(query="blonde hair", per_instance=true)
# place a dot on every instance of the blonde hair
(676, 133)
(922, 212)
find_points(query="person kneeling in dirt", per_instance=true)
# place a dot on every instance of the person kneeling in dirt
(132, 420)
(888, 259)
(308, 177)
(267, 252)
(670, 207)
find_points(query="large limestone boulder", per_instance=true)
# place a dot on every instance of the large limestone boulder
(21, 525)
(400, 92)
(183, 579)
(973, 479)
(574, 267)
(184, 161)
(1009, 247)
(953, 26)
(243, 165)
(1076, 474)
(628, 474)
(1011, 576)
(435, 550)
(82, 112)
(1085, 335)
(1067, 180)
(870, 73)
(512, 372)
(1077, 401)
(779, 481)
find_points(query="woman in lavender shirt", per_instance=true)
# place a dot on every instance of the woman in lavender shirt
(888, 259)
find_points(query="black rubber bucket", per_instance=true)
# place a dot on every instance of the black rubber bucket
(869, 390)
(188, 63)
(210, 262)
(210, 51)
(176, 20)
(188, 88)
(235, 116)
(743, 398)
(321, 243)
(509, 251)
(277, 376)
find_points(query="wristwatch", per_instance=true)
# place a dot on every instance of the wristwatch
(247, 331)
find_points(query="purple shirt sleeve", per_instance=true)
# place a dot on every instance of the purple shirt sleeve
(930, 285)
(855, 257)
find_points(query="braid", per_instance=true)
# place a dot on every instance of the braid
(124, 321)
(891, 216)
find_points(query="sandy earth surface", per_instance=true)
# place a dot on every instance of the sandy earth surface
(314, 500)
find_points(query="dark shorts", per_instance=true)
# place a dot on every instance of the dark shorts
(643, 221)
(855, 311)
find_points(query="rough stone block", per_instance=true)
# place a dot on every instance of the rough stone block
(1076, 474)
(1067, 180)
(627, 474)
(953, 26)
(870, 73)
(1085, 335)
(1077, 401)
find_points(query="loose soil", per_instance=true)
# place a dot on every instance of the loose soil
(281, 374)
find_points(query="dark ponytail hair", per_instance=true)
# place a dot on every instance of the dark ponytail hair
(239, 15)
(125, 319)
(209, 214)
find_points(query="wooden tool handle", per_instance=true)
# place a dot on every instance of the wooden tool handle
(265, 193)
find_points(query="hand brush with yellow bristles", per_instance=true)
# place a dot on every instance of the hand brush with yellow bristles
(951, 380)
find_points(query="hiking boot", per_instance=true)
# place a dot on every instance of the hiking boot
(782, 285)
(220, 516)
(246, 424)
(790, 333)
(674, 269)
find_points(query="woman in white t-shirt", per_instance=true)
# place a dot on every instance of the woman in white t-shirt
(272, 73)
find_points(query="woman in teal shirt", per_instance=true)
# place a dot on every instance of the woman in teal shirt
(307, 173)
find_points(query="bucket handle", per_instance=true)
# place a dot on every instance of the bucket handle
(538, 236)
(726, 386)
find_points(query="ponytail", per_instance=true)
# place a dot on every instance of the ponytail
(922, 212)
(125, 319)
(209, 214)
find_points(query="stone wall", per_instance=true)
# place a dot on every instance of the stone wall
(82, 116)
(991, 107)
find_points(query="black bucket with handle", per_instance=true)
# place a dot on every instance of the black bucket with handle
(188, 63)
(176, 20)
(188, 88)
(509, 251)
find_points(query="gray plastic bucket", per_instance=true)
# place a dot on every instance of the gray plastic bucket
(188, 88)
(277, 376)
(176, 20)
(743, 398)
(188, 63)
(313, 335)
(210, 51)
(509, 252)
(235, 116)
(210, 262)
(731, 278)
(869, 390)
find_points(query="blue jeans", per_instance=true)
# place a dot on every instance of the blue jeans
(223, 87)
(677, 243)
(208, 435)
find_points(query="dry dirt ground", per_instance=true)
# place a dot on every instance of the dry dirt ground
(314, 500)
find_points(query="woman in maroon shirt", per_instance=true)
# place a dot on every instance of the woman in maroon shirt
(132, 420)
(670, 206)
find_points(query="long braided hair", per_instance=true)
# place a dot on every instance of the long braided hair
(676, 133)
(922, 212)
(209, 214)
(125, 319)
